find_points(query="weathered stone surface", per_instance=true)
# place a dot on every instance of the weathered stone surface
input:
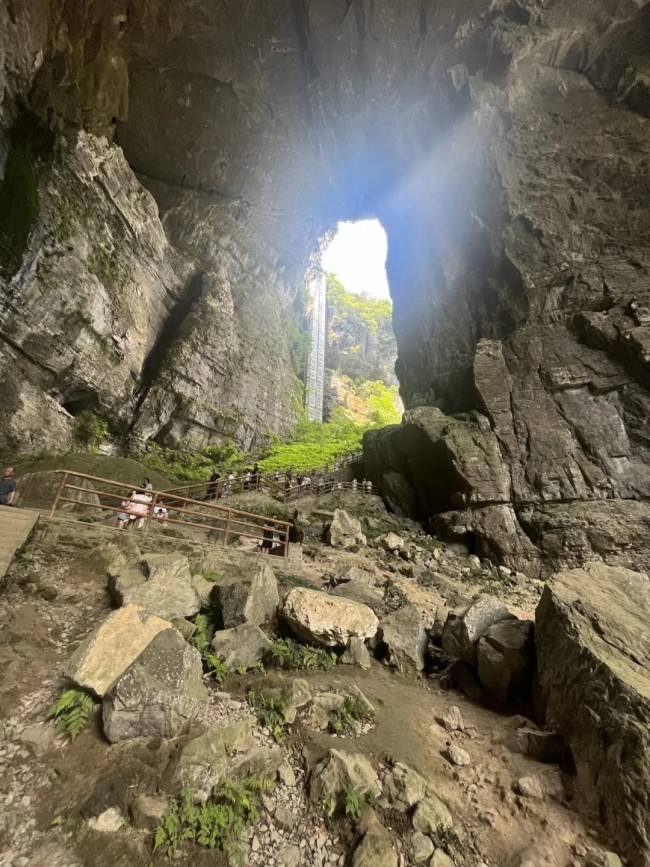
(451, 719)
(344, 531)
(390, 542)
(360, 591)
(377, 849)
(431, 815)
(328, 619)
(404, 786)
(353, 573)
(203, 761)
(593, 661)
(160, 583)
(110, 649)
(147, 811)
(405, 639)
(247, 595)
(241, 646)
(337, 772)
(356, 653)
(158, 694)
(505, 656)
(462, 631)
(422, 848)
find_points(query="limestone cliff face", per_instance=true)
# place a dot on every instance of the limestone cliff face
(502, 145)
(361, 351)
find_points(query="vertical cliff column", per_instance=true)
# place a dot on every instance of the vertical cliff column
(316, 359)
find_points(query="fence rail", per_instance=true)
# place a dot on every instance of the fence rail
(139, 510)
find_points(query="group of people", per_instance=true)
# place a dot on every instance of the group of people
(136, 509)
(250, 481)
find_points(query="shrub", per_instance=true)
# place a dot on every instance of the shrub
(90, 430)
(290, 654)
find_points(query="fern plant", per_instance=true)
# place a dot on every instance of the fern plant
(71, 712)
(271, 713)
(200, 637)
(218, 823)
(290, 654)
(216, 667)
(355, 801)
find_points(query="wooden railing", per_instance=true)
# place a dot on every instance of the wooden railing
(165, 507)
(267, 482)
(298, 491)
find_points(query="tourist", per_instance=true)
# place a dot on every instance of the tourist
(256, 476)
(268, 536)
(364, 489)
(139, 508)
(369, 486)
(7, 487)
(160, 514)
(213, 486)
(276, 476)
(354, 486)
(146, 485)
(227, 485)
(247, 479)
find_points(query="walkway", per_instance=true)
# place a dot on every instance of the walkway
(15, 527)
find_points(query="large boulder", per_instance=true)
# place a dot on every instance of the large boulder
(161, 583)
(326, 619)
(204, 760)
(344, 531)
(404, 637)
(242, 646)
(361, 591)
(340, 771)
(160, 692)
(505, 656)
(592, 629)
(462, 631)
(247, 595)
(111, 648)
(353, 573)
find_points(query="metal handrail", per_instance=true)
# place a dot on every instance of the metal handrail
(218, 518)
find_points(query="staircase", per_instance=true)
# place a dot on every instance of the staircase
(15, 527)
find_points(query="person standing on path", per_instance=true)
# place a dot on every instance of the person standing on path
(268, 536)
(7, 487)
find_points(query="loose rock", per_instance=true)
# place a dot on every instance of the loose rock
(328, 620)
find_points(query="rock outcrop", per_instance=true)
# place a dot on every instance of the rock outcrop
(593, 660)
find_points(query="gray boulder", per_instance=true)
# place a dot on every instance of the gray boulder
(462, 631)
(353, 573)
(248, 595)
(404, 637)
(241, 646)
(361, 591)
(356, 653)
(505, 656)
(160, 692)
(593, 663)
(160, 583)
(203, 761)
(339, 771)
(344, 531)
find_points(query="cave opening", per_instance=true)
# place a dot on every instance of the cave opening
(351, 361)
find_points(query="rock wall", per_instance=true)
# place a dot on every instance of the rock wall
(503, 146)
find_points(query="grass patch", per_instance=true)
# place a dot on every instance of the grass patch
(271, 713)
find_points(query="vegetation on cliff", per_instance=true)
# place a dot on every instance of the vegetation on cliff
(347, 307)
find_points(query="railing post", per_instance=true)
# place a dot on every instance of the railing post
(286, 541)
(58, 494)
(227, 528)
(150, 514)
